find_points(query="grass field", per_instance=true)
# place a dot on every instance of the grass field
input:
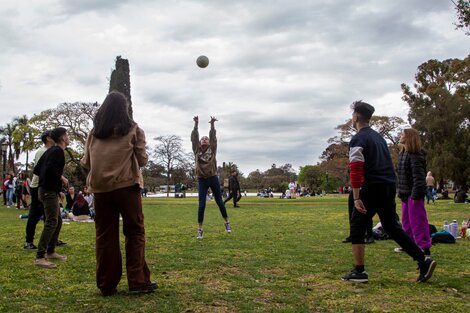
(283, 256)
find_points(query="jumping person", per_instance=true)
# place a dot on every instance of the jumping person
(373, 181)
(50, 168)
(205, 151)
(114, 153)
(233, 189)
(411, 171)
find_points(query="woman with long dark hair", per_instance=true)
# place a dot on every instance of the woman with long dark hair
(412, 189)
(114, 153)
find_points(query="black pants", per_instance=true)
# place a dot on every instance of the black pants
(369, 223)
(36, 210)
(235, 195)
(380, 199)
(4, 197)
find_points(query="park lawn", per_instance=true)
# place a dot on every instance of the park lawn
(282, 256)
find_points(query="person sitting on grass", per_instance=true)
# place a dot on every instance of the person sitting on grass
(80, 209)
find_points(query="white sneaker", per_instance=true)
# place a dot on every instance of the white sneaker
(200, 234)
(44, 263)
(55, 256)
(398, 250)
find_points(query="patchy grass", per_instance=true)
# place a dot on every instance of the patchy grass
(283, 256)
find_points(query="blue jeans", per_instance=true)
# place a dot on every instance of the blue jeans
(214, 184)
(10, 193)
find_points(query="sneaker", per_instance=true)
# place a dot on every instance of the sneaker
(55, 256)
(369, 240)
(44, 263)
(150, 287)
(29, 246)
(228, 229)
(60, 243)
(200, 234)
(347, 240)
(355, 276)
(426, 269)
(398, 250)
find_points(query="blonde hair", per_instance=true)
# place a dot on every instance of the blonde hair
(412, 142)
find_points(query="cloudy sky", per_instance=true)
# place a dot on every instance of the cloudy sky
(282, 73)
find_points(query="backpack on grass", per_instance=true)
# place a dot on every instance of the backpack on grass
(442, 237)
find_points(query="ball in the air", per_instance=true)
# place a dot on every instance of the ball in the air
(202, 61)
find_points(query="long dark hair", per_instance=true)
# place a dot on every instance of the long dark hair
(112, 117)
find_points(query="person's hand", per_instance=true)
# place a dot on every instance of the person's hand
(65, 181)
(213, 120)
(196, 120)
(360, 206)
(61, 195)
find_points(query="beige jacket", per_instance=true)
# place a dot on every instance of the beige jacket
(115, 162)
(206, 161)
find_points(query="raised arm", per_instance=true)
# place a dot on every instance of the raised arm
(212, 135)
(195, 134)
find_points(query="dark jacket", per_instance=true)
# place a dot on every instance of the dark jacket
(411, 175)
(233, 184)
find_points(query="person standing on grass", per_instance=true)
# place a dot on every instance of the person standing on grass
(373, 180)
(233, 189)
(36, 209)
(114, 153)
(411, 171)
(205, 151)
(430, 183)
(50, 168)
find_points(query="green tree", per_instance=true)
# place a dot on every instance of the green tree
(25, 138)
(440, 110)
(120, 80)
(463, 15)
(310, 176)
(77, 117)
(6, 136)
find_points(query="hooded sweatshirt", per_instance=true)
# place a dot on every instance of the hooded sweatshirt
(206, 162)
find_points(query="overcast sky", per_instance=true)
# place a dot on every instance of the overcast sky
(282, 74)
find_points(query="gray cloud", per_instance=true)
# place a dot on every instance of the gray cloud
(281, 76)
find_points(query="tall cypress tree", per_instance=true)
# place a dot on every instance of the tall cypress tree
(120, 80)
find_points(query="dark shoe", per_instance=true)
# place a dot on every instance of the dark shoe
(369, 240)
(106, 293)
(347, 240)
(426, 269)
(29, 246)
(355, 276)
(150, 287)
(60, 243)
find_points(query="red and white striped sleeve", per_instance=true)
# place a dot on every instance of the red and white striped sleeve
(356, 166)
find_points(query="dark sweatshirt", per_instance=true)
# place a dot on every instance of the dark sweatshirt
(206, 162)
(50, 168)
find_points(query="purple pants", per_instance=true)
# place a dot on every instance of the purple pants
(415, 222)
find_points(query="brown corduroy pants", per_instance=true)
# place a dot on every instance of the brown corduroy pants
(109, 205)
